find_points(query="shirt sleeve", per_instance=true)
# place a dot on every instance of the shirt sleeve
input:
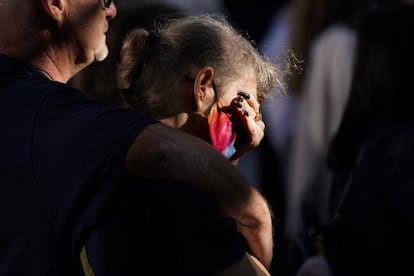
(78, 152)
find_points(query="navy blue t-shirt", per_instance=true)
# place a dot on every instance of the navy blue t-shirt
(374, 233)
(61, 156)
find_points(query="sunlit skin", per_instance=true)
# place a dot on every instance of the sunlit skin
(248, 110)
(201, 90)
(88, 21)
(76, 38)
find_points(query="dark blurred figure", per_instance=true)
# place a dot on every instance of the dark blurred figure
(324, 34)
(372, 154)
(315, 40)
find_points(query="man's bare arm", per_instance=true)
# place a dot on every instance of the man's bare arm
(254, 222)
(165, 153)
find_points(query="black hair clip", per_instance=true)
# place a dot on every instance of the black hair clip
(153, 37)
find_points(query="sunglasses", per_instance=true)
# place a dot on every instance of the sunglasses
(107, 3)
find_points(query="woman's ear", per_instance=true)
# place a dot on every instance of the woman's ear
(54, 8)
(204, 93)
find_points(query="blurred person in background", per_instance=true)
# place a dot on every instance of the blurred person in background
(322, 93)
(369, 231)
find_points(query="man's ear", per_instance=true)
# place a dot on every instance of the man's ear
(54, 8)
(204, 89)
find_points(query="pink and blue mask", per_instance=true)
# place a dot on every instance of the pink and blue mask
(221, 130)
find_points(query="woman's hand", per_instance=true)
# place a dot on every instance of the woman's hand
(248, 124)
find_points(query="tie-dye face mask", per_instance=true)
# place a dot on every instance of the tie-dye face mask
(221, 130)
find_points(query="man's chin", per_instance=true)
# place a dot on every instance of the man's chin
(101, 55)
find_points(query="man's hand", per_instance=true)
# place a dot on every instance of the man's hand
(161, 152)
(254, 222)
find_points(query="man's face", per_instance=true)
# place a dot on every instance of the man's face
(88, 24)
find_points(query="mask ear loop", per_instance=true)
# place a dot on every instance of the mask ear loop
(221, 130)
(215, 90)
(216, 100)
